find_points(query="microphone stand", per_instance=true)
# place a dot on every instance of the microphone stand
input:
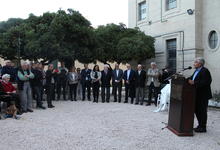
(177, 73)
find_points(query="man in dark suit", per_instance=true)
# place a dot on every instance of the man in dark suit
(140, 78)
(117, 76)
(129, 80)
(105, 84)
(201, 79)
(86, 81)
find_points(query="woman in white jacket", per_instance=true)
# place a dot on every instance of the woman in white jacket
(96, 77)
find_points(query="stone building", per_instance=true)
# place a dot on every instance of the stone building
(183, 30)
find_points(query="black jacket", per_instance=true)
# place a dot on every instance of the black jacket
(115, 77)
(202, 84)
(131, 78)
(140, 78)
(49, 76)
(85, 75)
(11, 71)
(38, 78)
(106, 78)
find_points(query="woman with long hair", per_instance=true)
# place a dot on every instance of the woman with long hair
(96, 77)
(72, 79)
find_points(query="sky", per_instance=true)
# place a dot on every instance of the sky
(98, 12)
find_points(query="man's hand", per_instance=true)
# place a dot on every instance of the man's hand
(191, 82)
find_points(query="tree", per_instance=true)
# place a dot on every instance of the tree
(116, 43)
(108, 37)
(137, 46)
(65, 36)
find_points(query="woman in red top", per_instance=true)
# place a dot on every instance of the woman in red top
(10, 90)
(7, 86)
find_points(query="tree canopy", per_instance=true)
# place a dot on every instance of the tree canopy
(68, 36)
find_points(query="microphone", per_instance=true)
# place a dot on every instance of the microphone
(188, 68)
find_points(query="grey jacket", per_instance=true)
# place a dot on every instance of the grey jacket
(153, 76)
(92, 74)
(72, 78)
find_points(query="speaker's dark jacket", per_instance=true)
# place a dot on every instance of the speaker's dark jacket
(202, 84)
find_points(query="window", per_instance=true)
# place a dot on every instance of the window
(171, 54)
(171, 4)
(213, 39)
(142, 11)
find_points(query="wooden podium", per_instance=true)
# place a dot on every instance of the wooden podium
(182, 105)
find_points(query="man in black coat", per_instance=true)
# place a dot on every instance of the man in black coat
(9, 69)
(201, 79)
(86, 81)
(37, 84)
(50, 84)
(129, 80)
(117, 76)
(140, 78)
(62, 81)
(105, 84)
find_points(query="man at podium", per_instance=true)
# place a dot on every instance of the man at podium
(201, 79)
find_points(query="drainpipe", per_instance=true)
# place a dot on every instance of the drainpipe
(161, 11)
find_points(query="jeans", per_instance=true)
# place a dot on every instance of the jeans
(26, 97)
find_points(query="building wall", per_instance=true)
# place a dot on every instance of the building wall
(164, 25)
(191, 31)
(211, 21)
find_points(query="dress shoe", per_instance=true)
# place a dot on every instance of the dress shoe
(51, 106)
(115, 101)
(30, 110)
(125, 101)
(141, 104)
(136, 103)
(148, 104)
(42, 107)
(200, 130)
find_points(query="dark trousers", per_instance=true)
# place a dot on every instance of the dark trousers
(117, 92)
(73, 88)
(50, 92)
(95, 89)
(13, 98)
(201, 111)
(86, 85)
(61, 85)
(153, 91)
(38, 94)
(129, 92)
(139, 95)
(105, 92)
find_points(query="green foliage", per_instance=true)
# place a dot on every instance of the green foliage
(68, 36)
(121, 44)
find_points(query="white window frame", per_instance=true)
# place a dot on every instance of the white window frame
(141, 9)
(169, 4)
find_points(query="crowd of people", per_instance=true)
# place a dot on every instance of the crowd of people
(20, 86)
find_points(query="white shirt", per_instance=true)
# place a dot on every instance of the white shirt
(117, 72)
(128, 74)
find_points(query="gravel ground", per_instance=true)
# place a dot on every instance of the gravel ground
(89, 126)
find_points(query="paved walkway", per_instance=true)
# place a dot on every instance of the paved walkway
(89, 126)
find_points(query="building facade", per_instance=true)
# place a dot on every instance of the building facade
(183, 30)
